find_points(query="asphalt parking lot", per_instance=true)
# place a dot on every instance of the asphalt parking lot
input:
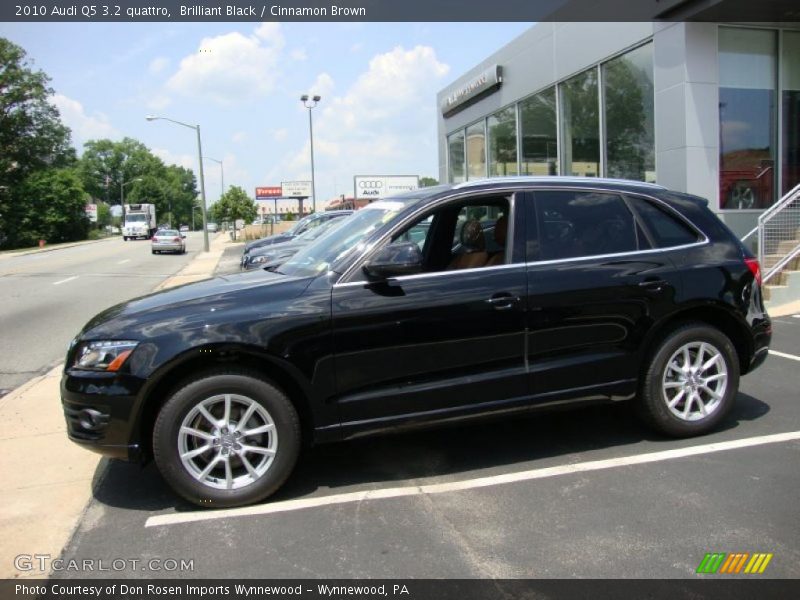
(577, 493)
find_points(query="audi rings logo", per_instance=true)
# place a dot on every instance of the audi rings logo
(372, 184)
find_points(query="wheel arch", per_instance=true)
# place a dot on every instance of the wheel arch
(170, 376)
(718, 316)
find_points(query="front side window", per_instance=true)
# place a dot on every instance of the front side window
(503, 142)
(576, 224)
(747, 91)
(581, 125)
(466, 235)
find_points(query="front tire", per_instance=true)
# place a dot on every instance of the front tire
(227, 439)
(691, 381)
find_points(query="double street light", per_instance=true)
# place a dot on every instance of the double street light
(310, 103)
(202, 179)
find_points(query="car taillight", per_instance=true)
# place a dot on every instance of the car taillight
(176, 239)
(755, 268)
(153, 239)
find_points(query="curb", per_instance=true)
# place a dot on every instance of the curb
(14, 253)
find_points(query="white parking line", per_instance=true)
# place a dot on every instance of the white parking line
(122, 262)
(65, 280)
(784, 355)
(468, 484)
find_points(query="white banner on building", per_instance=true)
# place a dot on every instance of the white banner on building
(296, 189)
(375, 187)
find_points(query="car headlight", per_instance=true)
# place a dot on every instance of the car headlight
(257, 260)
(103, 355)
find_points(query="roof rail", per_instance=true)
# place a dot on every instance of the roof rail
(554, 179)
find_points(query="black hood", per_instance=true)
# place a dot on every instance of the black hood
(198, 304)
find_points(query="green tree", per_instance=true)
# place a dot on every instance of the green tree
(107, 164)
(428, 182)
(55, 207)
(103, 215)
(235, 204)
(32, 137)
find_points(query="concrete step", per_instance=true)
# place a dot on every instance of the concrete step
(770, 260)
(786, 246)
(782, 289)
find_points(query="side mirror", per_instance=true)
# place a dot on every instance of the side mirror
(183, 235)
(395, 259)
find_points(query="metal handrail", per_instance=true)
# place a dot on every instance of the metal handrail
(763, 219)
(766, 215)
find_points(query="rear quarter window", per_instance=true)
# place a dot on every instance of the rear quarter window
(666, 229)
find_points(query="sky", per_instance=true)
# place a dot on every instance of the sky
(241, 82)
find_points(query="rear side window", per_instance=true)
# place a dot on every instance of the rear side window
(575, 224)
(666, 230)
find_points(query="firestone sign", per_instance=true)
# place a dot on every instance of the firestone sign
(485, 83)
(272, 191)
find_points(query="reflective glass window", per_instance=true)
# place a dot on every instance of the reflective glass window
(503, 142)
(580, 125)
(538, 131)
(629, 104)
(747, 95)
(476, 151)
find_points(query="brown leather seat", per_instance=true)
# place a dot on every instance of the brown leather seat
(500, 234)
(473, 247)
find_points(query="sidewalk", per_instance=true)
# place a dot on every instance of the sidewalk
(47, 480)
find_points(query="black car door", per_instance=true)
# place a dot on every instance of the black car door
(595, 285)
(430, 345)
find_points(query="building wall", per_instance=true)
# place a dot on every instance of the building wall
(686, 82)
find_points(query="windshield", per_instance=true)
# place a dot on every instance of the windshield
(136, 218)
(316, 232)
(317, 257)
(301, 224)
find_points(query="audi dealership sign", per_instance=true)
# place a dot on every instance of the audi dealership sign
(375, 187)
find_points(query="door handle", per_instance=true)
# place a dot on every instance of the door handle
(653, 285)
(502, 301)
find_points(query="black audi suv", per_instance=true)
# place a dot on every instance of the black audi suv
(591, 290)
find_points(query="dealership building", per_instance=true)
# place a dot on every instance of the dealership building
(712, 109)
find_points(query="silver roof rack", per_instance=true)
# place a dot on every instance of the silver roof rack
(555, 179)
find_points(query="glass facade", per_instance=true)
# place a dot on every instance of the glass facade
(455, 157)
(747, 110)
(628, 95)
(476, 151)
(580, 125)
(790, 127)
(503, 142)
(538, 125)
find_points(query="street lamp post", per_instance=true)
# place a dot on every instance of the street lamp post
(309, 104)
(202, 179)
(221, 174)
(122, 184)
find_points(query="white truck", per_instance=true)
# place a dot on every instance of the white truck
(140, 221)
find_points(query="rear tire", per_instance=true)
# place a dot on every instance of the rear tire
(690, 382)
(202, 446)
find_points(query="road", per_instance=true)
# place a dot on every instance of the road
(584, 493)
(46, 297)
